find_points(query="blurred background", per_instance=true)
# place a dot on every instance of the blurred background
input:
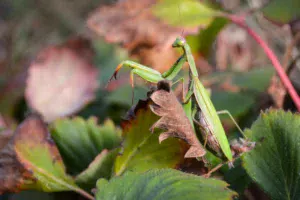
(56, 57)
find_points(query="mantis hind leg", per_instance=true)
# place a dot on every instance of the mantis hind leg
(233, 120)
(144, 72)
(230, 164)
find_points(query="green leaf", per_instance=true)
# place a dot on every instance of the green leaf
(38, 154)
(101, 167)
(252, 84)
(204, 40)
(80, 141)
(275, 161)
(231, 101)
(141, 148)
(237, 177)
(32, 195)
(188, 13)
(162, 184)
(256, 79)
(282, 12)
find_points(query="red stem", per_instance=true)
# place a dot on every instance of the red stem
(240, 21)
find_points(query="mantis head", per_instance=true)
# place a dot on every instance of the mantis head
(179, 42)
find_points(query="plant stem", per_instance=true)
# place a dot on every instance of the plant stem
(240, 21)
(84, 193)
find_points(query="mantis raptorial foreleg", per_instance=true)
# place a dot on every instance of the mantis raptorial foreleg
(147, 73)
(208, 174)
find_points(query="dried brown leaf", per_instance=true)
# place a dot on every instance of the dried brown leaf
(132, 24)
(5, 136)
(61, 80)
(12, 173)
(173, 119)
(32, 161)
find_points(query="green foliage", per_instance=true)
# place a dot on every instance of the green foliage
(282, 12)
(231, 101)
(256, 79)
(80, 141)
(251, 85)
(275, 162)
(162, 184)
(203, 42)
(135, 169)
(188, 13)
(237, 177)
(101, 167)
(40, 157)
(141, 149)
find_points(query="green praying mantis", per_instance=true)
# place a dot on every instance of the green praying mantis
(209, 121)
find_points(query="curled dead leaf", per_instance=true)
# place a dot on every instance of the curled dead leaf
(173, 119)
(132, 24)
(61, 80)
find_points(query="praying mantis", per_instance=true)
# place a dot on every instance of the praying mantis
(209, 121)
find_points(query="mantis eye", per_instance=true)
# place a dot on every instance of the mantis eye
(179, 42)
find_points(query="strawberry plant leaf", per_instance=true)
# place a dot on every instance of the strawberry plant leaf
(101, 167)
(256, 79)
(193, 13)
(162, 184)
(141, 148)
(282, 12)
(38, 154)
(203, 41)
(275, 161)
(230, 101)
(80, 141)
(12, 173)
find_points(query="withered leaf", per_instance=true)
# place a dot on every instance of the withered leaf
(173, 119)
(12, 173)
(5, 136)
(32, 161)
(132, 24)
(61, 80)
(37, 153)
